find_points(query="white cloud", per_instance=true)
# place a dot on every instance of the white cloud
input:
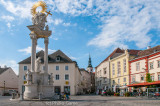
(73, 7)
(10, 63)
(7, 18)
(58, 21)
(21, 9)
(127, 21)
(28, 50)
(123, 21)
(66, 24)
(9, 25)
(73, 58)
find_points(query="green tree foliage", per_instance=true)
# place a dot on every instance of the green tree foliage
(148, 77)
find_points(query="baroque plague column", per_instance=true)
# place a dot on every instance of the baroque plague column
(39, 83)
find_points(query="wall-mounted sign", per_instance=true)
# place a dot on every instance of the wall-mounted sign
(25, 82)
(67, 82)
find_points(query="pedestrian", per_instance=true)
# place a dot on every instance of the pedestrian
(67, 95)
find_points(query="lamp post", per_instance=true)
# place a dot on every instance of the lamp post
(4, 86)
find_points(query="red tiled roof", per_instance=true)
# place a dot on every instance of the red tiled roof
(134, 52)
(118, 50)
(144, 84)
(149, 51)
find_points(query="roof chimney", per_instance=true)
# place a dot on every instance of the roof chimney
(148, 47)
(5, 66)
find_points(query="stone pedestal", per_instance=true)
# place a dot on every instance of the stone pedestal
(45, 76)
(48, 91)
(30, 92)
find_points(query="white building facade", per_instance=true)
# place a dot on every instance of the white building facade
(103, 76)
(66, 74)
(148, 61)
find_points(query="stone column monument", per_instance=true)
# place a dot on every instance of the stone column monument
(39, 85)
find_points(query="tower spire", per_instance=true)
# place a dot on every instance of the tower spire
(89, 62)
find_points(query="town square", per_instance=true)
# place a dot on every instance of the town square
(80, 53)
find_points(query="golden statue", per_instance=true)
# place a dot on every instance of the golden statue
(43, 6)
(39, 20)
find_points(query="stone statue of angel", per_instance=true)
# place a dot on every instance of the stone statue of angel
(39, 19)
(28, 76)
(38, 64)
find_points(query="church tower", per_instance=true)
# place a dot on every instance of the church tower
(90, 68)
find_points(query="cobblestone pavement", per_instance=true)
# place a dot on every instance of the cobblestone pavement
(85, 100)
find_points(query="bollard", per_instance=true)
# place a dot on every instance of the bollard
(13, 95)
(21, 96)
(40, 96)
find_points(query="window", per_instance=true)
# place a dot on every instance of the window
(152, 77)
(57, 77)
(105, 80)
(57, 67)
(158, 63)
(113, 82)
(66, 77)
(142, 78)
(138, 66)
(151, 65)
(105, 72)
(133, 79)
(100, 72)
(100, 82)
(66, 67)
(118, 68)
(159, 77)
(118, 81)
(124, 65)
(113, 69)
(24, 77)
(91, 70)
(58, 58)
(25, 68)
(124, 79)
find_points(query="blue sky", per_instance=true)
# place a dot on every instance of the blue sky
(80, 27)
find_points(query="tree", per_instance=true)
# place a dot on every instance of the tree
(148, 77)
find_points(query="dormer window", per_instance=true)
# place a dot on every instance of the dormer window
(58, 58)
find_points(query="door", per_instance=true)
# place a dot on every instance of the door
(57, 90)
(67, 89)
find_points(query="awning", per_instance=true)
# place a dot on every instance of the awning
(8, 87)
(144, 84)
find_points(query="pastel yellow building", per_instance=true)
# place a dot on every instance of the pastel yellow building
(119, 67)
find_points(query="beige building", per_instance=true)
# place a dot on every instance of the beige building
(120, 70)
(8, 80)
(102, 72)
(67, 76)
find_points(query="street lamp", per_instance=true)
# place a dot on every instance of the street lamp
(4, 86)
